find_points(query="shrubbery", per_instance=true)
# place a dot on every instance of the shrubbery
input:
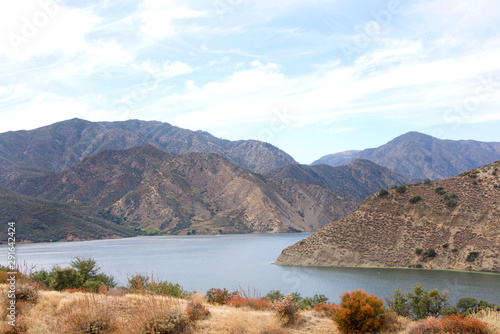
(218, 296)
(196, 311)
(419, 304)
(360, 313)
(286, 309)
(415, 199)
(174, 322)
(401, 189)
(450, 324)
(382, 192)
(146, 284)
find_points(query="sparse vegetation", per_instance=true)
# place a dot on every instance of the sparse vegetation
(382, 193)
(451, 203)
(440, 190)
(401, 189)
(415, 199)
(427, 182)
(472, 256)
(418, 251)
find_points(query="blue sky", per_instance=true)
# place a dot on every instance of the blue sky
(311, 77)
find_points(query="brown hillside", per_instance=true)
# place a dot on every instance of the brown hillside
(387, 230)
(200, 192)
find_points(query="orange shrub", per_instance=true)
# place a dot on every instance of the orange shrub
(254, 303)
(326, 310)
(218, 296)
(196, 311)
(360, 313)
(451, 324)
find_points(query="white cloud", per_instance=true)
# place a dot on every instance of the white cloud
(31, 28)
(158, 17)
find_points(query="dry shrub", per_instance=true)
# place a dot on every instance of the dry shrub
(360, 313)
(395, 323)
(450, 324)
(218, 296)
(196, 311)
(326, 310)
(491, 317)
(286, 309)
(259, 304)
(156, 314)
(91, 314)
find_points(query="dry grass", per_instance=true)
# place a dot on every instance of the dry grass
(490, 317)
(62, 312)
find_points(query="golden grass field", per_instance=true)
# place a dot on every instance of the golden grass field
(64, 312)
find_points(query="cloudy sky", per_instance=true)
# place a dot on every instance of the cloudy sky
(311, 77)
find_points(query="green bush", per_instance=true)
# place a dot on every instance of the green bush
(472, 256)
(90, 271)
(454, 250)
(467, 303)
(418, 251)
(67, 278)
(452, 195)
(446, 245)
(415, 199)
(394, 186)
(401, 189)
(451, 203)
(142, 284)
(440, 190)
(42, 276)
(274, 295)
(427, 182)
(382, 193)
(419, 304)
(430, 253)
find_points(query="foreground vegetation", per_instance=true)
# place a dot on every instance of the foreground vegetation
(82, 299)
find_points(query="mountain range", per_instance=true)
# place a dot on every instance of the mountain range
(418, 156)
(149, 189)
(447, 224)
(59, 146)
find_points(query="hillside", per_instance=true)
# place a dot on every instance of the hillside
(43, 221)
(58, 146)
(193, 192)
(419, 156)
(358, 179)
(461, 223)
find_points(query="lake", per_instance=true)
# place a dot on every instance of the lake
(199, 263)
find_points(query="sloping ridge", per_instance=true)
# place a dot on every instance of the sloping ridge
(358, 179)
(61, 145)
(461, 223)
(202, 192)
(420, 156)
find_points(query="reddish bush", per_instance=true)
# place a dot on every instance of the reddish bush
(450, 324)
(218, 296)
(326, 310)
(360, 313)
(286, 309)
(255, 303)
(196, 311)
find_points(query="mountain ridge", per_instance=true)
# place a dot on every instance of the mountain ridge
(58, 146)
(153, 190)
(419, 156)
(458, 218)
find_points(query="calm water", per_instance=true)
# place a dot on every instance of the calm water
(199, 263)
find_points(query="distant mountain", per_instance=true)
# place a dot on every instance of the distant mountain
(38, 220)
(419, 156)
(358, 179)
(61, 145)
(193, 192)
(447, 224)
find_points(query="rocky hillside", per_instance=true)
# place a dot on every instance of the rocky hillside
(419, 156)
(61, 145)
(193, 192)
(38, 220)
(358, 179)
(447, 224)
